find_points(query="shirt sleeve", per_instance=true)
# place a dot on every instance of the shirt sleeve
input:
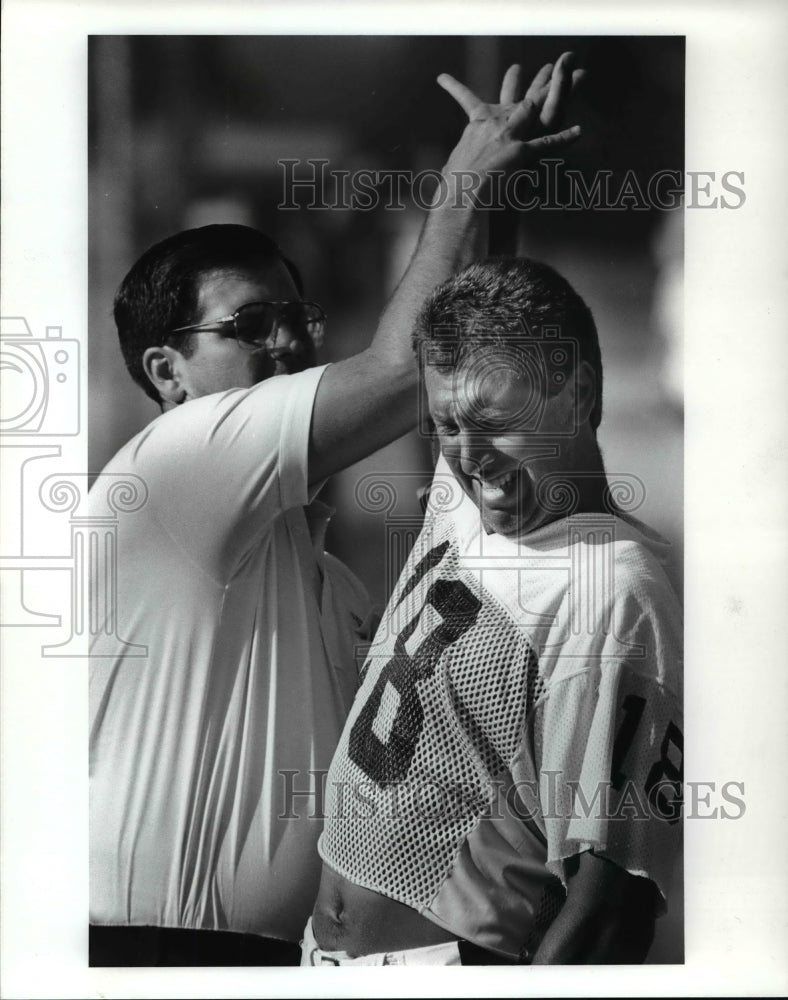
(608, 752)
(220, 468)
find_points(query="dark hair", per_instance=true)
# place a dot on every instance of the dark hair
(508, 304)
(160, 291)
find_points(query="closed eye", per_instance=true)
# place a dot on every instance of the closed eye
(446, 429)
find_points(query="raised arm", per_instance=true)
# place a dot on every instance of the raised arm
(367, 401)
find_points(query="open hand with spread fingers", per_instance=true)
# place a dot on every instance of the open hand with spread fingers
(521, 127)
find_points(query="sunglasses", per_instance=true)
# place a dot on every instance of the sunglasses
(257, 323)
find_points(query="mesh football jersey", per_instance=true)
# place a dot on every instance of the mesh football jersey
(521, 703)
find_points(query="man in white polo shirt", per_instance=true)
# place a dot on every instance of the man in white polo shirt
(200, 852)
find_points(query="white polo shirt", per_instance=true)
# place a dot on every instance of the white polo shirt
(198, 750)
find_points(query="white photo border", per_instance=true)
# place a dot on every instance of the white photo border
(735, 599)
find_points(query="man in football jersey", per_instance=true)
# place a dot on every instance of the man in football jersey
(507, 787)
(224, 660)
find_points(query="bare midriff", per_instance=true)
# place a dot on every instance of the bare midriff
(359, 921)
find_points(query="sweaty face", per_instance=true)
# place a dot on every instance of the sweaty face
(218, 361)
(500, 434)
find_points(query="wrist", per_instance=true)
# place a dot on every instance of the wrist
(449, 230)
(460, 188)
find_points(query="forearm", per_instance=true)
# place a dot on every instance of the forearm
(453, 235)
(596, 936)
(608, 917)
(371, 399)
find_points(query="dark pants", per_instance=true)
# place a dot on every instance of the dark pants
(149, 946)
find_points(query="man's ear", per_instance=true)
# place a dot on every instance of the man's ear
(161, 368)
(585, 388)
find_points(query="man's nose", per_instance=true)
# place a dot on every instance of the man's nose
(474, 452)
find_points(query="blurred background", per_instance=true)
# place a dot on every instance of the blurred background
(188, 130)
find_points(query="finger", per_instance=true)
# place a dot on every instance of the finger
(556, 140)
(512, 86)
(537, 91)
(578, 75)
(463, 95)
(560, 86)
(522, 119)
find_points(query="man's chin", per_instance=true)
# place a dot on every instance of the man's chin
(506, 519)
(504, 524)
(514, 524)
(513, 521)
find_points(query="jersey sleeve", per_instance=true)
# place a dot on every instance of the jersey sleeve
(220, 468)
(608, 751)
